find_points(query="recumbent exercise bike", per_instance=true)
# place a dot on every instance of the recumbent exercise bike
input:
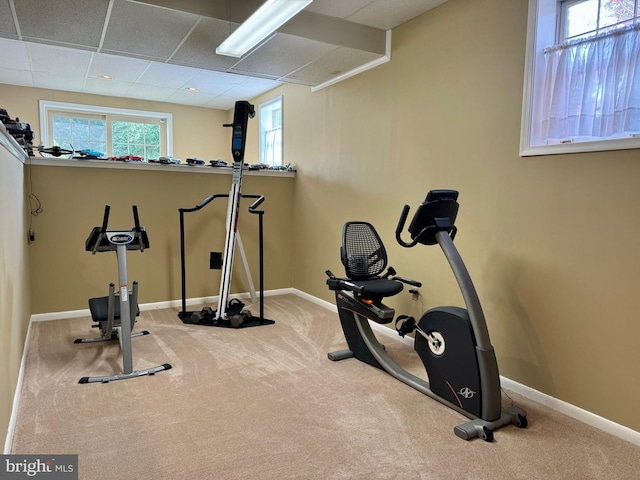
(115, 315)
(452, 342)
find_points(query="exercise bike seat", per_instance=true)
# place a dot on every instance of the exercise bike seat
(364, 258)
(99, 308)
(379, 287)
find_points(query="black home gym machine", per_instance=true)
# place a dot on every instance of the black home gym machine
(115, 314)
(452, 342)
(230, 312)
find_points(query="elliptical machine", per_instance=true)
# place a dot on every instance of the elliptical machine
(452, 342)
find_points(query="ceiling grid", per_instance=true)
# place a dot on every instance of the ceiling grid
(156, 49)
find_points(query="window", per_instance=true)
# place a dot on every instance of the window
(110, 131)
(270, 116)
(135, 138)
(79, 132)
(582, 78)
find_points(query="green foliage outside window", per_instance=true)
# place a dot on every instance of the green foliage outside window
(141, 139)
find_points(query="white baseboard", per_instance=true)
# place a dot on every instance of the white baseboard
(16, 396)
(584, 416)
(565, 408)
(41, 317)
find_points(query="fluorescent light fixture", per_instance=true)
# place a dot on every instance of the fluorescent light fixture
(266, 20)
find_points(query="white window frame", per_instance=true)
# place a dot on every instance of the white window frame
(261, 109)
(47, 107)
(541, 32)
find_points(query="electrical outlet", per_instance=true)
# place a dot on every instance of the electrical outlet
(415, 295)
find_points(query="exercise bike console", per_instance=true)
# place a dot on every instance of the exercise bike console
(101, 240)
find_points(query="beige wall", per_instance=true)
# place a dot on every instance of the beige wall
(14, 278)
(64, 276)
(551, 242)
(197, 132)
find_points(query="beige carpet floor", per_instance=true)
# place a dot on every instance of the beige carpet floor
(266, 403)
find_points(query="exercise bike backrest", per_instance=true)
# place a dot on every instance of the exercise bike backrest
(102, 240)
(436, 214)
(362, 252)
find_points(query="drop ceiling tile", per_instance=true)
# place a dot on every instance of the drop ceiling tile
(23, 78)
(216, 83)
(185, 97)
(14, 54)
(124, 69)
(58, 81)
(335, 63)
(100, 86)
(40, 41)
(222, 103)
(151, 43)
(7, 25)
(280, 55)
(252, 87)
(67, 61)
(146, 30)
(337, 8)
(167, 75)
(199, 49)
(77, 22)
(146, 92)
(385, 15)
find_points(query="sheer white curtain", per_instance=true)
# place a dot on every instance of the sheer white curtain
(592, 87)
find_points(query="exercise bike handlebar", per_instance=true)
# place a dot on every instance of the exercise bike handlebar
(138, 229)
(95, 238)
(408, 281)
(427, 234)
(400, 227)
(136, 219)
(335, 283)
(105, 219)
(99, 239)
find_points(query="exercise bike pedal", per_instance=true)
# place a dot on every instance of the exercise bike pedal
(405, 324)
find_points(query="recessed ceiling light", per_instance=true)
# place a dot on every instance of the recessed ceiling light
(106, 77)
(192, 89)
